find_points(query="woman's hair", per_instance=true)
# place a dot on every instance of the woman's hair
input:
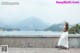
(66, 25)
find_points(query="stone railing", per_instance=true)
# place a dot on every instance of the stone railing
(37, 41)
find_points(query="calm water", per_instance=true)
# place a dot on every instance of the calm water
(29, 33)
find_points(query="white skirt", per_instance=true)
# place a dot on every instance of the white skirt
(63, 41)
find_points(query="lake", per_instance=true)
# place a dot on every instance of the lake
(29, 33)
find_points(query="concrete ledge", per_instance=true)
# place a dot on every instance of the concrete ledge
(37, 41)
(70, 35)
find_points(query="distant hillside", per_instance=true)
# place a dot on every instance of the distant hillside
(29, 24)
(32, 23)
(55, 27)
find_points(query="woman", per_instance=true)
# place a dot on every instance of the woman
(63, 41)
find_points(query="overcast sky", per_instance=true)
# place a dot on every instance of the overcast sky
(46, 10)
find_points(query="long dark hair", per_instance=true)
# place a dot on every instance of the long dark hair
(66, 26)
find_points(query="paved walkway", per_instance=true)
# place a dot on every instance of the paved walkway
(42, 50)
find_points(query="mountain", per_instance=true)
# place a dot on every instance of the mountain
(29, 24)
(32, 23)
(55, 27)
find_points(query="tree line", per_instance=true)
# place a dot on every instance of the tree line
(75, 29)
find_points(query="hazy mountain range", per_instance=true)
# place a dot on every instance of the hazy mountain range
(55, 27)
(33, 24)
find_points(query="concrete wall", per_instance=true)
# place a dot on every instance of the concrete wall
(41, 41)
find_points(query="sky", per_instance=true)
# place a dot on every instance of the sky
(47, 10)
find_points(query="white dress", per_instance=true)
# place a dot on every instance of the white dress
(63, 41)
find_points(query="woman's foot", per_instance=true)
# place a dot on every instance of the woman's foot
(57, 46)
(65, 48)
(62, 47)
